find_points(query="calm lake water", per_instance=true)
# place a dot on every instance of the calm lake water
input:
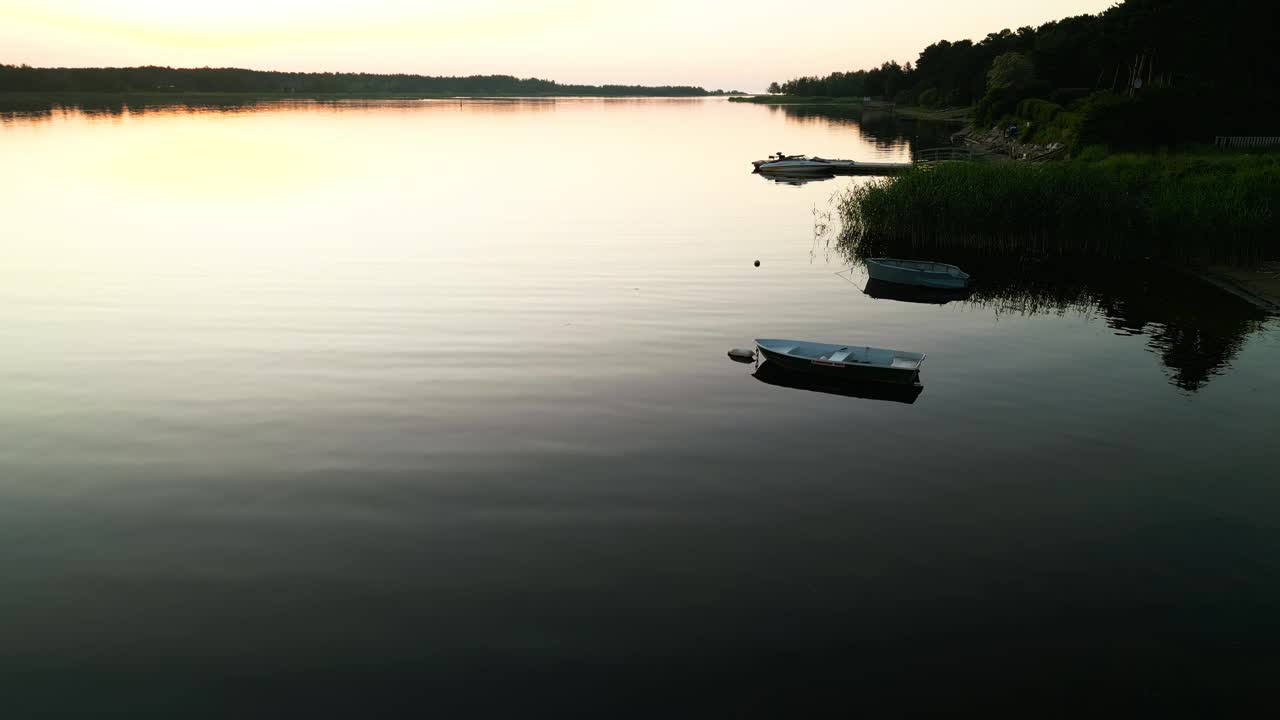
(372, 407)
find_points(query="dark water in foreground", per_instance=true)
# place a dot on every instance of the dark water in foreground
(373, 408)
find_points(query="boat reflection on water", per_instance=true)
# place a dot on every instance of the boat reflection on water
(797, 179)
(882, 290)
(774, 374)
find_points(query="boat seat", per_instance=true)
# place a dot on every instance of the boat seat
(840, 355)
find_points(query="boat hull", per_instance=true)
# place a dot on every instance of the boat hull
(832, 167)
(843, 371)
(885, 272)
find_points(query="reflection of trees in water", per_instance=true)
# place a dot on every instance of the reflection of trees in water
(818, 114)
(37, 109)
(885, 130)
(1194, 328)
(48, 109)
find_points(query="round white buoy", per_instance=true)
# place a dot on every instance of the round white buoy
(741, 355)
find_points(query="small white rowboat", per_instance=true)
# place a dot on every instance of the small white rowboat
(915, 272)
(854, 362)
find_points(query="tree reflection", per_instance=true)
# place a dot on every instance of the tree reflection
(1194, 328)
(46, 108)
(885, 130)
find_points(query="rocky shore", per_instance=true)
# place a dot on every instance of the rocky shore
(999, 143)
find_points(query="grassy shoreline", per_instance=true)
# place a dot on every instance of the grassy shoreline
(797, 100)
(963, 114)
(1195, 206)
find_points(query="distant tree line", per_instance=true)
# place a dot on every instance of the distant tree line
(1194, 45)
(235, 80)
(884, 81)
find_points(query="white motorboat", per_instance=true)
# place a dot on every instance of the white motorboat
(803, 164)
(793, 164)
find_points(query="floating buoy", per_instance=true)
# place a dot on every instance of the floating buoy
(757, 263)
(742, 356)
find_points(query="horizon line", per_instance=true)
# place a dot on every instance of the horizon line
(352, 72)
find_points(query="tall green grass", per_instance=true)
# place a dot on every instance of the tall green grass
(1199, 205)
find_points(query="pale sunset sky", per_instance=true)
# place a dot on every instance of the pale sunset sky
(730, 44)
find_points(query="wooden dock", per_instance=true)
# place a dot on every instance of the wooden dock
(1246, 143)
(933, 156)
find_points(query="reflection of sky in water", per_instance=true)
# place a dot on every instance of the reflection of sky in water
(443, 385)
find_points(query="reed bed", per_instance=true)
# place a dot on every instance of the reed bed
(1222, 207)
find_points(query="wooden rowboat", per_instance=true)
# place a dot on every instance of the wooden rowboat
(855, 362)
(916, 272)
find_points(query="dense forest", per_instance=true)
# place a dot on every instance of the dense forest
(233, 80)
(1207, 57)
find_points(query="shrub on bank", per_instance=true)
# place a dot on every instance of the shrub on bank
(1153, 118)
(1063, 128)
(1038, 111)
(1165, 116)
